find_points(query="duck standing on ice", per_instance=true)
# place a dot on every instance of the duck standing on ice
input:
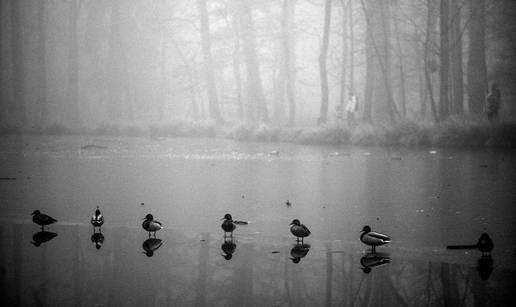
(97, 220)
(151, 225)
(228, 225)
(299, 230)
(42, 219)
(373, 239)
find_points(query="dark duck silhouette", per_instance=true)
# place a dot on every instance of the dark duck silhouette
(373, 239)
(97, 220)
(228, 225)
(299, 230)
(299, 251)
(228, 248)
(151, 225)
(371, 260)
(485, 266)
(43, 236)
(151, 245)
(42, 219)
(97, 238)
(484, 244)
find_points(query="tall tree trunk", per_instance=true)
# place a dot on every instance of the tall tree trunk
(403, 94)
(351, 50)
(42, 104)
(323, 114)
(287, 19)
(343, 72)
(378, 25)
(257, 108)
(457, 76)
(370, 82)
(72, 92)
(17, 108)
(445, 61)
(213, 102)
(429, 62)
(477, 70)
(236, 68)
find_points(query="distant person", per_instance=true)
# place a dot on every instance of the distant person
(351, 109)
(493, 102)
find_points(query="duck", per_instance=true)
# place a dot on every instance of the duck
(228, 225)
(372, 260)
(373, 239)
(151, 245)
(97, 220)
(485, 244)
(151, 225)
(43, 236)
(42, 219)
(299, 230)
(97, 238)
(299, 251)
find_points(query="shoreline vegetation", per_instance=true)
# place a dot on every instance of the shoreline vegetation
(452, 133)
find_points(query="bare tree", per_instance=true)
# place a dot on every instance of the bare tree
(17, 108)
(477, 70)
(288, 10)
(445, 60)
(457, 75)
(257, 109)
(72, 92)
(208, 62)
(323, 114)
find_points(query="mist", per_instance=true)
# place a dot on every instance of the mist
(84, 65)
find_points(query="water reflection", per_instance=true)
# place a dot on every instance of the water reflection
(300, 250)
(371, 260)
(97, 238)
(485, 266)
(228, 247)
(43, 236)
(151, 245)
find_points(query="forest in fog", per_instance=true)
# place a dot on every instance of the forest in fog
(281, 63)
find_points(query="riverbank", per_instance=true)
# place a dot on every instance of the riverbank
(452, 133)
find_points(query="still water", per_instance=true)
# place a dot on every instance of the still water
(424, 198)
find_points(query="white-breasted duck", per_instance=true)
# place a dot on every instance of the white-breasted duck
(228, 225)
(42, 219)
(97, 219)
(373, 239)
(299, 230)
(151, 225)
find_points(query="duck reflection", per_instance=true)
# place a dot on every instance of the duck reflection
(97, 238)
(151, 245)
(485, 266)
(228, 247)
(43, 236)
(300, 250)
(371, 260)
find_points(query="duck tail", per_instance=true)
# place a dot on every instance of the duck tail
(460, 246)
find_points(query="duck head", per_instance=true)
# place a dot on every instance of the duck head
(36, 212)
(97, 212)
(295, 260)
(228, 217)
(366, 229)
(295, 222)
(148, 217)
(149, 253)
(228, 256)
(366, 270)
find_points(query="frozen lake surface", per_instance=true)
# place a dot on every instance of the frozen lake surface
(424, 198)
